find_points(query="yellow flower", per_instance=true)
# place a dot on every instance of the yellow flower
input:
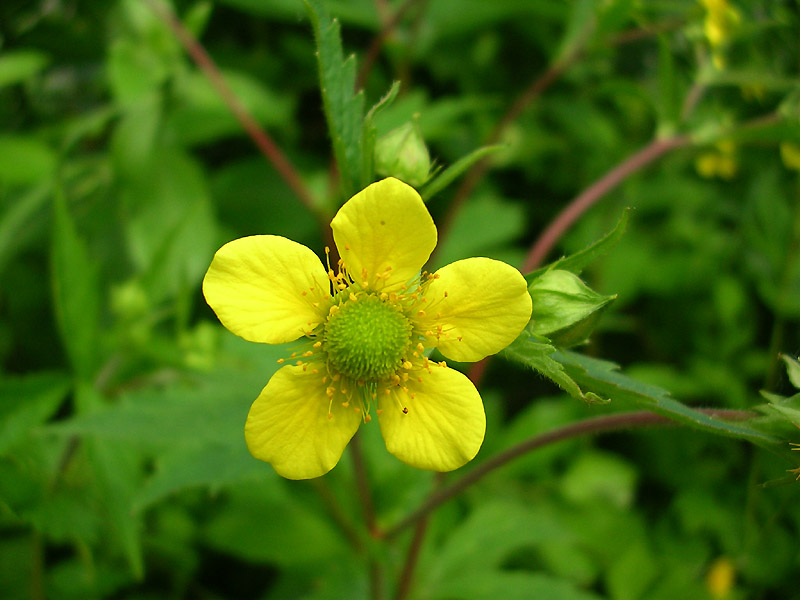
(368, 330)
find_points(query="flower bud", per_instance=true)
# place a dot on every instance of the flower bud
(564, 309)
(402, 153)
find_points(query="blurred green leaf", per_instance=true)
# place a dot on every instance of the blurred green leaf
(200, 116)
(577, 262)
(264, 523)
(17, 219)
(25, 160)
(19, 65)
(76, 296)
(490, 585)
(500, 223)
(792, 369)
(451, 173)
(600, 477)
(27, 401)
(344, 108)
(212, 465)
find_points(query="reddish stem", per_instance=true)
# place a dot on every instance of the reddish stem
(257, 134)
(594, 192)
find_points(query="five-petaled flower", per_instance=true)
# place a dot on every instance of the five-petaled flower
(368, 331)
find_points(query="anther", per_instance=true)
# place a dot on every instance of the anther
(299, 362)
(346, 403)
(405, 410)
(281, 361)
(407, 365)
(461, 337)
(367, 418)
(318, 345)
(445, 294)
(336, 377)
(315, 371)
(307, 353)
(420, 347)
(353, 297)
(379, 411)
(420, 313)
(384, 296)
(330, 391)
(347, 246)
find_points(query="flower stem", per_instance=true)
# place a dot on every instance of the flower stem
(591, 426)
(257, 134)
(586, 199)
(362, 486)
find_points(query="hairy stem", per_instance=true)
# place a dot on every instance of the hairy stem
(591, 426)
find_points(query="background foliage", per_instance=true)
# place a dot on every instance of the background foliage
(123, 470)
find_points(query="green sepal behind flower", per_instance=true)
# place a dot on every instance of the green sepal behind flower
(564, 308)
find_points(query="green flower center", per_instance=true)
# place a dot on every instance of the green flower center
(366, 338)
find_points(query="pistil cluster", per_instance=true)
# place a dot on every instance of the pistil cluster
(370, 340)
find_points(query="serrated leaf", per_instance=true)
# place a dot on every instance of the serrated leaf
(536, 353)
(578, 261)
(28, 401)
(344, 108)
(451, 173)
(604, 377)
(75, 292)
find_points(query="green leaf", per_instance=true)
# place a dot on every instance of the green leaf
(27, 401)
(536, 353)
(25, 160)
(344, 108)
(16, 221)
(451, 173)
(212, 465)
(604, 377)
(75, 292)
(564, 308)
(577, 262)
(369, 134)
(264, 523)
(511, 585)
(792, 369)
(501, 222)
(19, 65)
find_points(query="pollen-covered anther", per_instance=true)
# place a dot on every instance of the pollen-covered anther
(317, 345)
(407, 365)
(396, 379)
(346, 403)
(384, 296)
(421, 313)
(367, 418)
(281, 361)
(307, 353)
(420, 347)
(353, 297)
(330, 391)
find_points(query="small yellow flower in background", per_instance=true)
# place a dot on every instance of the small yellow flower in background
(721, 20)
(720, 578)
(720, 162)
(368, 330)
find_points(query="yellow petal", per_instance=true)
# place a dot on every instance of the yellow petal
(445, 423)
(288, 425)
(263, 288)
(384, 226)
(481, 304)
